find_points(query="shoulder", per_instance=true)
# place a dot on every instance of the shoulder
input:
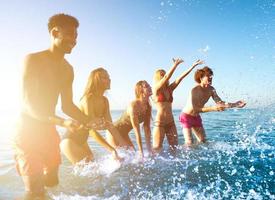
(212, 89)
(106, 101)
(133, 105)
(196, 88)
(34, 57)
(32, 62)
(67, 67)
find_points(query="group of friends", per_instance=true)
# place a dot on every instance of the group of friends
(47, 75)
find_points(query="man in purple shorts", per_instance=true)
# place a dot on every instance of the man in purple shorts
(200, 94)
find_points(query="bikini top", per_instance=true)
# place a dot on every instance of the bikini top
(165, 97)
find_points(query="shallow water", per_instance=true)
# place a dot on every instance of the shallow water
(236, 163)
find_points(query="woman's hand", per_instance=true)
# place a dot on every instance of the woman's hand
(177, 61)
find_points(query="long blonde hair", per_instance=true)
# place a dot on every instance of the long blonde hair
(157, 75)
(139, 88)
(94, 85)
(138, 93)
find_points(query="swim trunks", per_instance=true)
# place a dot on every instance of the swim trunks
(189, 121)
(36, 147)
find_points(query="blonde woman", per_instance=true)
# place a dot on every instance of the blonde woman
(163, 97)
(96, 106)
(137, 112)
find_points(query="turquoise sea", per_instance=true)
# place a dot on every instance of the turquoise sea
(238, 162)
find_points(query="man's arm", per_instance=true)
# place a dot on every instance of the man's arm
(68, 107)
(217, 99)
(198, 108)
(215, 96)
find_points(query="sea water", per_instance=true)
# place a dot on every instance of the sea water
(237, 162)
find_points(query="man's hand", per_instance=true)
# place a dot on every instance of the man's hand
(198, 62)
(240, 104)
(220, 107)
(72, 125)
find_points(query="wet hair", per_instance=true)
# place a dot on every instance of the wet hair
(206, 71)
(94, 85)
(62, 20)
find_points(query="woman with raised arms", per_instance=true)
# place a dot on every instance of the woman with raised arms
(163, 98)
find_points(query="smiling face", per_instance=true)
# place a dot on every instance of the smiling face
(105, 80)
(65, 38)
(206, 80)
(146, 89)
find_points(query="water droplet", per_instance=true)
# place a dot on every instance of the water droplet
(233, 172)
(271, 173)
(196, 169)
(252, 169)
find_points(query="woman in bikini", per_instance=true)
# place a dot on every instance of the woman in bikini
(138, 111)
(96, 106)
(163, 97)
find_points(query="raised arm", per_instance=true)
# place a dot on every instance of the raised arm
(184, 74)
(168, 75)
(132, 110)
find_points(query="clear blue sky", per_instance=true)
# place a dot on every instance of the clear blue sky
(132, 38)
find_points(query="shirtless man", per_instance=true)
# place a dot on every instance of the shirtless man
(200, 94)
(46, 76)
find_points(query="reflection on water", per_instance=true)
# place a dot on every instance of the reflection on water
(237, 163)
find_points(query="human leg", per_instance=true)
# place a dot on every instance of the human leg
(34, 186)
(158, 137)
(172, 135)
(51, 177)
(199, 132)
(188, 139)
